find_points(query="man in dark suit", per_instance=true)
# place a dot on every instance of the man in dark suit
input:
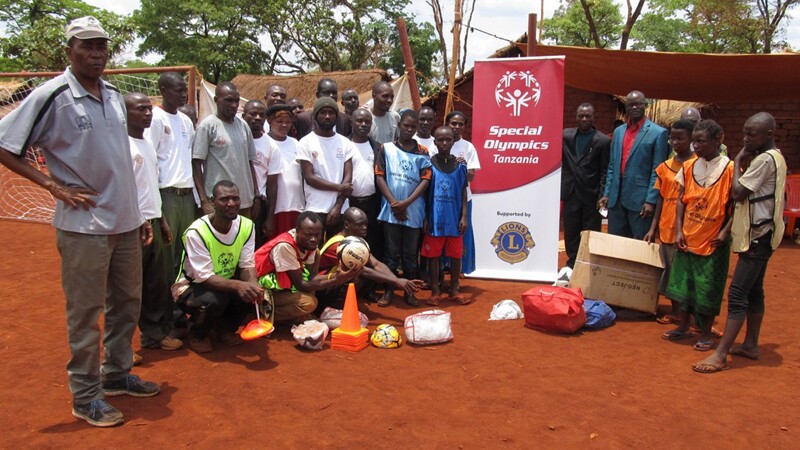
(583, 176)
(637, 148)
(304, 123)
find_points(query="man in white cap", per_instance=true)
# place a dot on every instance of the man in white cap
(78, 120)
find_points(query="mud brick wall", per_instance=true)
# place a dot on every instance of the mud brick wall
(731, 116)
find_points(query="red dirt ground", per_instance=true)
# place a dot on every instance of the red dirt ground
(497, 385)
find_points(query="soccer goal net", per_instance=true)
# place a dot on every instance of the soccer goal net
(19, 198)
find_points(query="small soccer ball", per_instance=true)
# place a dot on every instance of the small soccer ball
(386, 336)
(353, 253)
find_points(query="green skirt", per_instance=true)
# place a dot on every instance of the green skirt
(698, 282)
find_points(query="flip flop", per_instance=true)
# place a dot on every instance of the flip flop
(709, 368)
(740, 351)
(703, 346)
(676, 335)
(667, 320)
(715, 333)
(433, 301)
(460, 300)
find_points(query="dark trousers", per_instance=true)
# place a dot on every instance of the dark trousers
(371, 206)
(179, 210)
(627, 223)
(208, 308)
(155, 318)
(746, 292)
(401, 243)
(261, 238)
(578, 217)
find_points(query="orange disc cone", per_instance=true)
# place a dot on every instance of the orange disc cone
(350, 320)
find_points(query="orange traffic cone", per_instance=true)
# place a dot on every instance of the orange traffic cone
(350, 336)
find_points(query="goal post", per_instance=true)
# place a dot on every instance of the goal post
(21, 199)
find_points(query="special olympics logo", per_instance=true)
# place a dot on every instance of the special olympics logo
(516, 90)
(512, 242)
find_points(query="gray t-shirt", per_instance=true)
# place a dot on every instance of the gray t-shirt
(384, 128)
(226, 149)
(85, 144)
(759, 178)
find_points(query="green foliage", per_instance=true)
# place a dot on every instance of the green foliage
(34, 32)
(569, 25)
(700, 26)
(424, 47)
(329, 35)
(220, 37)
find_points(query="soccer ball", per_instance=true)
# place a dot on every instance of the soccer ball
(353, 253)
(386, 336)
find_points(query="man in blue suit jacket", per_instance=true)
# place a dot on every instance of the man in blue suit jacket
(637, 148)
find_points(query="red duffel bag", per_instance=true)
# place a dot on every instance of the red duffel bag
(553, 308)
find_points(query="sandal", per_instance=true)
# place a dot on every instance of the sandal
(702, 367)
(458, 299)
(715, 333)
(676, 335)
(385, 299)
(703, 346)
(433, 301)
(667, 320)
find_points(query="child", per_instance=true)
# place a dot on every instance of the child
(680, 139)
(447, 216)
(465, 151)
(702, 224)
(402, 173)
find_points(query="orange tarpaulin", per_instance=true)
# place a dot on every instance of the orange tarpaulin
(710, 78)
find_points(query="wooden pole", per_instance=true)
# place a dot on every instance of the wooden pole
(408, 59)
(451, 79)
(193, 87)
(531, 34)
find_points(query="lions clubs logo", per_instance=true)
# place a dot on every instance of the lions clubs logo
(516, 90)
(512, 242)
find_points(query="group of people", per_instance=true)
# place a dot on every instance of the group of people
(158, 214)
(698, 203)
(249, 210)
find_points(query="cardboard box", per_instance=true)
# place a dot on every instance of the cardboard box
(619, 271)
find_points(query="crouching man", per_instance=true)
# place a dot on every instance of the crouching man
(215, 246)
(288, 266)
(355, 224)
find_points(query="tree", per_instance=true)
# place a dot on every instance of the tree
(424, 48)
(584, 23)
(770, 15)
(707, 26)
(34, 32)
(220, 37)
(329, 35)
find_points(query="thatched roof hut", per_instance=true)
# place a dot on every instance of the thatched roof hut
(304, 86)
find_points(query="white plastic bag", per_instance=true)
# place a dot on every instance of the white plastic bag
(310, 334)
(428, 327)
(333, 318)
(506, 310)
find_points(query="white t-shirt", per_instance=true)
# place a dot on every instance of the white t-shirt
(363, 170)
(145, 173)
(198, 264)
(290, 180)
(427, 143)
(464, 149)
(171, 135)
(327, 156)
(268, 161)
